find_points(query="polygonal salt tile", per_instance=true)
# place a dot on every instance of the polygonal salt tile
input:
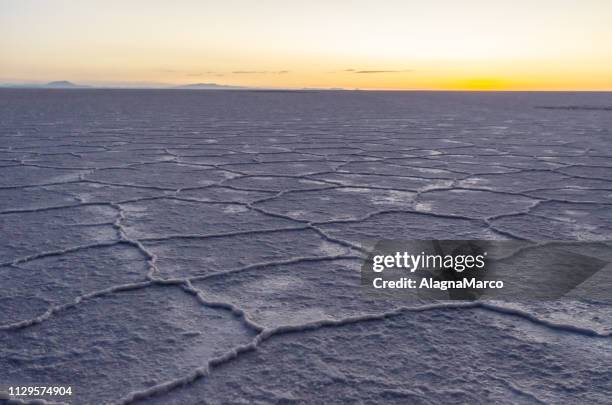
(139, 337)
(60, 279)
(408, 226)
(471, 203)
(34, 232)
(183, 257)
(162, 217)
(345, 203)
(290, 294)
(165, 175)
(13, 176)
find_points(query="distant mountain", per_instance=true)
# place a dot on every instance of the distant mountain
(209, 86)
(62, 84)
(65, 84)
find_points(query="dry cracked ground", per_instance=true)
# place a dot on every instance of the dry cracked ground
(197, 247)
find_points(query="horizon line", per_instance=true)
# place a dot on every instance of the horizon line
(69, 85)
(297, 89)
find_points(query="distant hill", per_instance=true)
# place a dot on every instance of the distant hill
(65, 84)
(62, 84)
(209, 86)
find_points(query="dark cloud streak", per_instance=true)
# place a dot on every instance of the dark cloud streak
(381, 71)
(259, 72)
(372, 71)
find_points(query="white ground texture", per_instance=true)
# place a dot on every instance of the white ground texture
(189, 247)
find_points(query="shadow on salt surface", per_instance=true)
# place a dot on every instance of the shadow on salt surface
(437, 356)
(140, 338)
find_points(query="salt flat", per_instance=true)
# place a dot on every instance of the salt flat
(183, 247)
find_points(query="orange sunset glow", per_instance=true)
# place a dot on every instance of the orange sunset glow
(395, 45)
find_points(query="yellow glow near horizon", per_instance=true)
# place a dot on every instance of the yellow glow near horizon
(393, 44)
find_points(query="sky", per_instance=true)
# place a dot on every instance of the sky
(366, 44)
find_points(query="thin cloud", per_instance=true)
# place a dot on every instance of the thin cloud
(371, 71)
(259, 72)
(343, 70)
(207, 73)
(381, 71)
